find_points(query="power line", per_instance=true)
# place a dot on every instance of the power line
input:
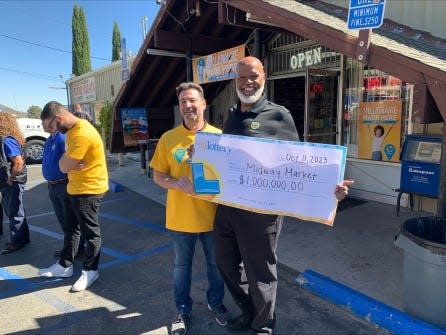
(35, 75)
(47, 47)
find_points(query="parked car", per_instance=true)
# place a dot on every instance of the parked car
(35, 138)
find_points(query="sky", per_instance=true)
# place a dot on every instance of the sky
(35, 43)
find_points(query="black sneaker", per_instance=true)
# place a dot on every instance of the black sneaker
(221, 314)
(240, 322)
(181, 324)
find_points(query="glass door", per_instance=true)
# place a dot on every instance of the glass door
(321, 106)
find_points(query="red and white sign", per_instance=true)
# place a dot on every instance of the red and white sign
(83, 91)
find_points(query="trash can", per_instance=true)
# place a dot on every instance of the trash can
(423, 240)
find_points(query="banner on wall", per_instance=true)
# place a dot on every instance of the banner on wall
(379, 130)
(217, 66)
(83, 91)
(134, 126)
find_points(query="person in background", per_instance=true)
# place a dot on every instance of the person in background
(246, 241)
(188, 219)
(78, 112)
(12, 193)
(53, 150)
(84, 162)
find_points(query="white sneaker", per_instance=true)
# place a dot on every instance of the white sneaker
(57, 270)
(86, 279)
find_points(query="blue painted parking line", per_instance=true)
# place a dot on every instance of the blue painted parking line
(24, 285)
(145, 253)
(139, 223)
(365, 307)
(57, 236)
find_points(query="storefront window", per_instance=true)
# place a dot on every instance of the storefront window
(375, 113)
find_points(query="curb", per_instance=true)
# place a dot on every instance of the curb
(363, 306)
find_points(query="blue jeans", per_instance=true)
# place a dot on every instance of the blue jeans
(184, 246)
(12, 201)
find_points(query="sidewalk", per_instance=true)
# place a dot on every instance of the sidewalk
(358, 251)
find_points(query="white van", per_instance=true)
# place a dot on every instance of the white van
(35, 138)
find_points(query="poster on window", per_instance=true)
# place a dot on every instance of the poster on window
(134, 125)
(379, 130)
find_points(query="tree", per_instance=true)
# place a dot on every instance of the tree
(81, 46)
(34, 112)
(116, 42)
(105, 120)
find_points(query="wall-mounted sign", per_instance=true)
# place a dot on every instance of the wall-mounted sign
(365, 14)
(379, 130)
(125, 72)
(305, 59)
(217, 66)
(135, 126)
(83, 91)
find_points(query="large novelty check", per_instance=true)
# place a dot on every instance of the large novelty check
(269, 176)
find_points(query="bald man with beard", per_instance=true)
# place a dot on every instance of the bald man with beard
(246, 241)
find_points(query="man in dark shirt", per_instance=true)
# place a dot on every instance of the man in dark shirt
(78, 112)
(246, 241)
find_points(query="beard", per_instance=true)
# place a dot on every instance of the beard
(61, 128)
(250, 99)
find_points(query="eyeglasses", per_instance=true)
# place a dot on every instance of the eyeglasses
(51, 122)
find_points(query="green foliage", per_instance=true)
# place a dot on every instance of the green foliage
(81, 62)
(105, 119)
(116, 42)
(33, 112)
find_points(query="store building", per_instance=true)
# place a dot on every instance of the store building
(322, 72)
(94, 89)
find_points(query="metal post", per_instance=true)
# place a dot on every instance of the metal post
(257, 44)
(142, 150)
(68, 94)
(189, 65)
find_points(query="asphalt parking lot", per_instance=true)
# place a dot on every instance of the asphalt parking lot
(134, 293)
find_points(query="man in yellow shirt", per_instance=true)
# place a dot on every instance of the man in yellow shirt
(188, 219)
(84, 162)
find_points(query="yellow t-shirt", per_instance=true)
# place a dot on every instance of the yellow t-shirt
(184, 213)
(83, 142)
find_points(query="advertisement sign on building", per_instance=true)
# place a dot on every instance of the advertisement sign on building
(125, 72)
(135, 126)
(379, 130)
(83, 91)
(217, 66)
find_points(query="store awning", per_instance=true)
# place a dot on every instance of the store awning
(196, 27)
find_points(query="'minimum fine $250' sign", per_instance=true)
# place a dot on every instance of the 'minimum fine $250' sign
(269, 176)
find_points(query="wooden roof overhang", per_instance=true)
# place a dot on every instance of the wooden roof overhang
(177, 28)
(426, 71)
(223, 25)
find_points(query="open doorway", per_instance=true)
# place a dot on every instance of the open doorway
(313, 103)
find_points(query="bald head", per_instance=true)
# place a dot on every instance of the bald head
(249, 81)
(251, 61)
